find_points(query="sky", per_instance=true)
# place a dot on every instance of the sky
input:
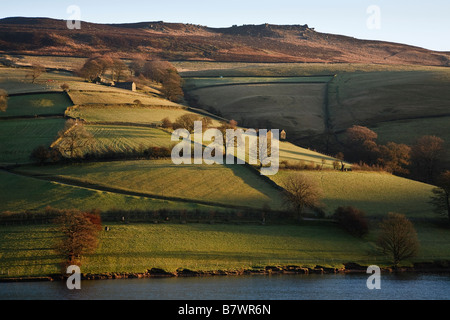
(420, 23)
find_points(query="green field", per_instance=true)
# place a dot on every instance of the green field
(223, 184)
(37, 104)
(297, 108)
(370, 98)
(125, 138)
(119, 96)
(26, 250)
(195, 83)
(18, 138)
(375, 193)
(24, 193)
(244, 69)
(127, 114)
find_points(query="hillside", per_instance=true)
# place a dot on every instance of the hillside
(200, 217)
(174, 41)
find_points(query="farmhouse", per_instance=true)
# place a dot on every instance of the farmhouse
(126, 85)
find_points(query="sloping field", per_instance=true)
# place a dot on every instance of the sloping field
(21, 193)
(37, 104)
(295, 108)
(192, 69)
(18, 138)
(201, 82)
(118, 96)
(14, 81)
(375, 193)
(126, 114)
(294, 154)
(139, 247)
(370, 98)
(225, 184)
(123, 138)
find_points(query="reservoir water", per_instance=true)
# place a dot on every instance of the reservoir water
(405, 286)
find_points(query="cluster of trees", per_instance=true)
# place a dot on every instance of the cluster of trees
(186, 121)
(79, 235)
(98, 66)
(421, 160)
(162, 72)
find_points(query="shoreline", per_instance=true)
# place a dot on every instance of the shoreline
(349, 268)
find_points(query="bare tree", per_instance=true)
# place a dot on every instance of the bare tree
(3, 100)
(35, 72)
(441, 195)
(118, 69)
(73, 139)
(398, 238)
(301, 192)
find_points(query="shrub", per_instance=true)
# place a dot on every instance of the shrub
(166, 123)
(40, 154)
(352, 220)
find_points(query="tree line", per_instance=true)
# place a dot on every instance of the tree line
(421, 161)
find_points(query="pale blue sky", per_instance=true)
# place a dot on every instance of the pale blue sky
(420, 23)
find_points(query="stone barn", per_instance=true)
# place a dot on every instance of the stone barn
(126, 85)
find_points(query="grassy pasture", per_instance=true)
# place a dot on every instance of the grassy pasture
(195, 83)
(18, 138)
(375, 193)
(128, 114)
(37, 104)
(238, 69)
(26, 250)
(295, 108)
(371, 98)
(123, 138)
(24, 193)
(118, 96)
(136, 248)
(224, 184)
